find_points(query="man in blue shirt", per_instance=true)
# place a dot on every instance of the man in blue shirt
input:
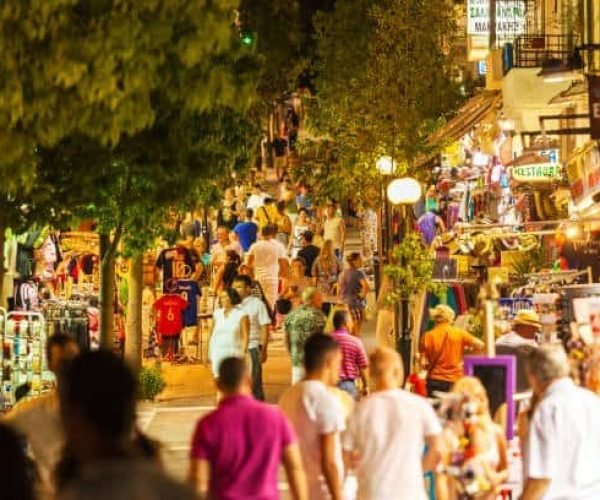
(246, 231)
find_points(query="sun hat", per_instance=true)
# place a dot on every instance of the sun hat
(442, 312)
(527, 317)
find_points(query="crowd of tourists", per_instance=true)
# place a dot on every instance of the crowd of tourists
(84, 442)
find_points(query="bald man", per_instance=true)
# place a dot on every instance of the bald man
(387, 434)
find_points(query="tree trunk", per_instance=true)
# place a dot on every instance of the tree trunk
(133, 343)
(107, 292)
(2, 271)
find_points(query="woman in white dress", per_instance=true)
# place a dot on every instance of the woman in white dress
(301, 225)
(230, 330)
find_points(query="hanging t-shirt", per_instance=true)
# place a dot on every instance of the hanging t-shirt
(190, 291)
(169, 309)
(176, 263)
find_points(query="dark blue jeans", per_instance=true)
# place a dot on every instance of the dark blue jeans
(257, 383)
(349, 386)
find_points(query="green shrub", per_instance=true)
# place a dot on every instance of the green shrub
(151, 382)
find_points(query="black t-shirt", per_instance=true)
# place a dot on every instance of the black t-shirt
(279, 146)
(309, 253)
(176, 264)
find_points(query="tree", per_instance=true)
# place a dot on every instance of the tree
(115, 100)
(383, 84)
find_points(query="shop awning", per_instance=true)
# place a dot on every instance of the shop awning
(477, 109)
(577, 90)
(474, 111)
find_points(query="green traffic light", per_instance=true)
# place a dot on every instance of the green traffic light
(247, 38)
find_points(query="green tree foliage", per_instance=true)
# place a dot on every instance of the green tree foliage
(383, 83)
(120, 110)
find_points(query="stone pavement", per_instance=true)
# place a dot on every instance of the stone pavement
(190, 394)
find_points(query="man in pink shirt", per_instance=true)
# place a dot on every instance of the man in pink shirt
(354, 358)
(237, 448)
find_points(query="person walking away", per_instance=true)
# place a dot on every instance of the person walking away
(334, 229)
(280, 147)
(38, 419)
(317, 416)
(326, 270)
(267, 214)
(259, 319)
(284, 225)
(268, 260)
(98, 396)
(230, 330)
(429, 224)
(309, 252)
(525, 330)
(228, 461)
(563, 445)
(256, 199)
(387, 434)
(304, 321)
(353, 289)
(443, 349)
(296, 284)
(299, 229)
(247, 231)
(354, 358)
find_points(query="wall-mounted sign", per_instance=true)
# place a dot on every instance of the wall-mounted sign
(583, 171)
(594, 95)
(510, 17)
(537, 172)
(551, 155)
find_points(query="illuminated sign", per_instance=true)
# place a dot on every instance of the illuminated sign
(538, 172)
(510, 17)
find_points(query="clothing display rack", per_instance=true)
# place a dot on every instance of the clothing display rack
(69, 317)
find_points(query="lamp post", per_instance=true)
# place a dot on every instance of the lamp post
(386, 166)
(404, 192)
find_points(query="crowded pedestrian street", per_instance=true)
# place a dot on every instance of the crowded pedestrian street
(300, 250)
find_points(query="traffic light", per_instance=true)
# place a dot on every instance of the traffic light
(247, 37)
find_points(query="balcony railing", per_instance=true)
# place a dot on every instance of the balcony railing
(532, 51)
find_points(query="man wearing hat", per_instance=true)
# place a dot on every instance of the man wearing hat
(519, 341)
(443, 348)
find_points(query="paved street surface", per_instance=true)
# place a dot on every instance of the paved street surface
(190, 394)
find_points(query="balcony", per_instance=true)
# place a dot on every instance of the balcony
(533, 51)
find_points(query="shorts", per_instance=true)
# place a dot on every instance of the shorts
(357, 313)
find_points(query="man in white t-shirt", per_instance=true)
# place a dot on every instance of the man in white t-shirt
(257, 198)
(317, 416)
(387, 434)
(269, 260)
(260, 320)
(562, 450)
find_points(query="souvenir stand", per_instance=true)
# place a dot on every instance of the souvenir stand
(23, 355)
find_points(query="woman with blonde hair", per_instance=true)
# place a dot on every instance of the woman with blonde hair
(326, 269)
(481, 442)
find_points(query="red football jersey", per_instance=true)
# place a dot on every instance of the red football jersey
(169, 310)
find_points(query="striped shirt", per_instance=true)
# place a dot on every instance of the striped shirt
(354, 356)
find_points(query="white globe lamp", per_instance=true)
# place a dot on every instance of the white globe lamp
(404, 191)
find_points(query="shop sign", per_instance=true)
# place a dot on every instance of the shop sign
(537, 172)
(594, 98)
(510, 17)
(550, 154)
(583, 171)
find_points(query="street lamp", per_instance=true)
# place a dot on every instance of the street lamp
(386, 165)
(404, 192)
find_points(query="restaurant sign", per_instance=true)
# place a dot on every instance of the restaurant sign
(537, 172)
(510, 17)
